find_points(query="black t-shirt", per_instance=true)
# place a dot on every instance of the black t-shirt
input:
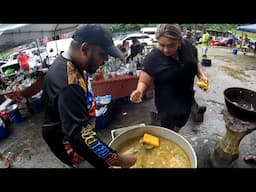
(173, 79)
(136, 49)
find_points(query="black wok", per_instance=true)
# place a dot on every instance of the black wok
(241, 103)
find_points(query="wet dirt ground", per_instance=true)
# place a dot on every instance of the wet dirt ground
(30, 151)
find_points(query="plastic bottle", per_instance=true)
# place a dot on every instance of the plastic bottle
(134, 68)
(130, 67)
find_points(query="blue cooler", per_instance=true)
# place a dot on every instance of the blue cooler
(36, 105)
(102, 119)
(3, 130)
(14, 113)
(234, 51)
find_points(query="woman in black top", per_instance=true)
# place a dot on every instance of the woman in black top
(172, 66)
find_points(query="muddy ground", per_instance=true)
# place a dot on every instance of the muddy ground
(30, 151)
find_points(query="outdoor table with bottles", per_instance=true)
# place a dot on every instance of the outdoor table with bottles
(24, 85)
(116, 78)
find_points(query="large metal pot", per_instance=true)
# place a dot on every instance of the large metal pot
(241, 103)
(159, 132)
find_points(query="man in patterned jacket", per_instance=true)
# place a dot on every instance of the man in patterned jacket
(69, 105)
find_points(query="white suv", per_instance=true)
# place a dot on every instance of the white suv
(149, 31)
(145, 39)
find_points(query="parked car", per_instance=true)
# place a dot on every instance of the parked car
(149, 31)
(2, 62)
(218, 41)
(145, 39)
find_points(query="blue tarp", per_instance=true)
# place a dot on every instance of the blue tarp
(248, 28)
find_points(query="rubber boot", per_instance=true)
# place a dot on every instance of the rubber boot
(154, 119)
(197, 111)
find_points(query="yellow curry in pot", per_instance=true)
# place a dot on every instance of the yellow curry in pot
(167, 155)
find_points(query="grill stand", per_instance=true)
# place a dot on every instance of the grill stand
(226, 151)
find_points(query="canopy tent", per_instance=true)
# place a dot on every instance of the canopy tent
(14, 35)
(248, 28)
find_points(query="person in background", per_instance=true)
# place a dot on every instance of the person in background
(23, 61)
(205, 42)
(245, 40)
(37, 61)
(135, 48)
(184, 32)
(245, 44)
(69, 105)
(197, 110)
(125, 49)
(234, 41)
(172, 67)
(190, 37)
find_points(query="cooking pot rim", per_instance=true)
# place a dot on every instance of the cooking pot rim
(177, 135)
(238, 111)
(227, 90)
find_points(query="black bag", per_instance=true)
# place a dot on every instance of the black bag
(206, 62)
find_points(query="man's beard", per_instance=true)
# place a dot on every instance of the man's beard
(91, 66)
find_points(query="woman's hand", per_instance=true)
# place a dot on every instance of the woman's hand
(136, 96)
(203, 78)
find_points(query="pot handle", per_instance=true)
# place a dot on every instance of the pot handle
(116, 132)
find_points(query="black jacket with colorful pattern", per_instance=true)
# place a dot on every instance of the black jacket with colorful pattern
(68, 102)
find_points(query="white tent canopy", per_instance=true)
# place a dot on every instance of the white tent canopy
(13, 35)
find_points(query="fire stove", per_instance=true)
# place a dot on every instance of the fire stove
(240, 120)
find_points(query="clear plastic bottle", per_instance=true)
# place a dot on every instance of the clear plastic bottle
(130, 66)
(134, 68)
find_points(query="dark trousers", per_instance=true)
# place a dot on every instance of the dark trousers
(175, 122)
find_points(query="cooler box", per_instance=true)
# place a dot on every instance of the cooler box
(36, 105)
(206, 62)
(234, 51)
(102, 118)
(4, 132)
(14, 113)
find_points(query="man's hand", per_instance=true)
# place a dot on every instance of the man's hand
(128, 159)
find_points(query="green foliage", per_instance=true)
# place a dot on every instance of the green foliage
(223, 27)
(122, 27)
(212, 26)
